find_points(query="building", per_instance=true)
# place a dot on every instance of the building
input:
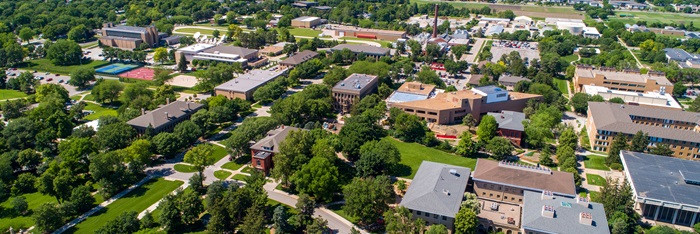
(547, 213)
(305, 4)
(553, 21)
(491, 21)
(501, 187)
(164, 118)
(510, 81)
(495, 29)
(297, 59)
(629, 5)
(411, 91)
(510, 125)
(436, 193)
(683, 58)
(665, 189)
(306, 22)
(678, 129)
(575, 28)
(367, 50)
(591, 32)
(650, 99)
(451, 107)
(274, 50)
(171, 40)
(522, 21)
(128, 37)
(628, 80)
(353, 31)
(245, 85)
(352, 89)
(263, 150)
(686, 8)
(227, 54)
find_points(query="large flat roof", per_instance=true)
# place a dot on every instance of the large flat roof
(437, 189)
(663, 179)
(367, 49)
(124, 28)
(250, 80)
(525, 177)
(222, 49)
(196, 47)
(355, 83)
(617, 118)
(648, 98)
(368, 30)
(622, 76)
(567, 214)
(306, 18)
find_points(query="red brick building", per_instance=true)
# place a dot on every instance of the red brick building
(263, 150)
(510, 125)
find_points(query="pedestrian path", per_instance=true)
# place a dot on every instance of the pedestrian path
(153, 207)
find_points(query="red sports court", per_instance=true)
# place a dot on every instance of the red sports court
(139, 73)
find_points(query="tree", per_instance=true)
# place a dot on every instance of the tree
(580, 102)
(487, 128)
(216, 33)
(182, 63)
(400, 220)
(279, 219)
(199, 157)
(47, 217)
(305, 205)
(26, 34)
(458, 51)
(79, 33)
(377, 158)
(81, 77)
(25, 82)
(499, 147)
(254, 221)
(679, 89)
(190, 206)
(428, 76)
(408, 128)
(126, 222)
(357, 131)
(170, 216)
(81, 199)
(368, 198)
(167, 143)
(469, 121)
(64, 52)
(661, 149)
(269, 92)
(160, 54)
(319, 177)
(467, 147)
(545, 157)
(106, 90)
(115, 136)
(568, 138)
(639, 142)
(619, 143)
(437, 229)
(19, 205)
(188, 131)
(466, 222)
(694, 106)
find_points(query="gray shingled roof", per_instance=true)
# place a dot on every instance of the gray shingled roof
(678, 54)
(367, 49)
(156, 118)
(616, 118)
(509, 120)
(566, 220)
(663, 178)
(273, 139)
(299, 58)
(435, 190)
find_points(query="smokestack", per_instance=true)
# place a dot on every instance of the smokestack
(435, 24)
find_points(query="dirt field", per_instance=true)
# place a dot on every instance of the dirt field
(183, 81)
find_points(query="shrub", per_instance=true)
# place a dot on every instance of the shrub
(616, 166)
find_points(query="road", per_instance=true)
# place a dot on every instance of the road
(471, 56)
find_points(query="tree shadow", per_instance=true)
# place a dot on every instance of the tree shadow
(401, 170)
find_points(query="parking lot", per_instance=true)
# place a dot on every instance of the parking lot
(94, 53)
(526, 49)
(47, 78)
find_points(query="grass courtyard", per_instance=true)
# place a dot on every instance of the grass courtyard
(413, 154)
(305, 32)
(594, 179)
(561, 85)
(595, 162)
(184, 168)
(221, 174)
(9, 94)
(46, 66)
(236, 164)
(99, 111)
(8, 218)
(137, 200)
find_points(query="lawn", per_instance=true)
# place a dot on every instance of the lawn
(9, 219)
(561, 85)
(9, 93)
(184, 168)
(89, 97)
(236, 164)
(240, 177)
(585, 141)
(659, 17)
(595, 162)
(305, 32)
(47, 66)
(338, 209)
(137, 200)
(413, 154)
(570, 58)
(218, 153)
(221, 174)
(594, 179)
(99, 111)
(382, 42)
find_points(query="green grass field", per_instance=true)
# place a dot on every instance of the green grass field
(594, 179)
(46, 66)
(9, 94)
(236, 164)
(338, 209)
(585, 141)
(570, 58)
(382, 42)
(99, 111)
(595, 162)
(561, 85)
(9, 219)
(305, 32)
(218, 153)
(137, 200)
(659, 17)
(184, 168)
(240, 177)
(413, 154)
(221, 174)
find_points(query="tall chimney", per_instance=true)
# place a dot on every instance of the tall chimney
(435, 24)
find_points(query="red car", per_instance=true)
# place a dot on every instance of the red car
(49, 79)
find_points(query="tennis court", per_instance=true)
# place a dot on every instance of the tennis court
(115, 68)
(139, 73)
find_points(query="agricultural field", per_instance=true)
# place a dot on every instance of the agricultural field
(651, 17)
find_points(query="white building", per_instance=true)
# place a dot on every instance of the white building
(522, 21)
(653, 99)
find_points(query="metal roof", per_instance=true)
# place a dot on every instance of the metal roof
(437, 189)
(662, 178)
(509, 120)
(250, 80)
(567, 213)
(355, 82)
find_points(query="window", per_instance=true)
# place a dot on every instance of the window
(435, 216)
(418, 212)
(427, 214)
(444, 217)
(498, 196)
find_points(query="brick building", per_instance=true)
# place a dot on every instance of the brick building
(510, 125)
(128, 37)
(620, 80)
(245, 85)
(263, 150)
(349, 91)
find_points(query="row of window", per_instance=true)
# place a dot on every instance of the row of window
(624, 84)
(426, 214)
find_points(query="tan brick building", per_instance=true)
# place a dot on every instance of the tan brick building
(306, 22)
(450, 108)
(351, 90)
(245, 85)
(678, 129)
(128, 37)
(354, 31)
(624, 81)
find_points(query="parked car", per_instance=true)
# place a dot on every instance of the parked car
(49, 79)
(48, 73)
(60, 81)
